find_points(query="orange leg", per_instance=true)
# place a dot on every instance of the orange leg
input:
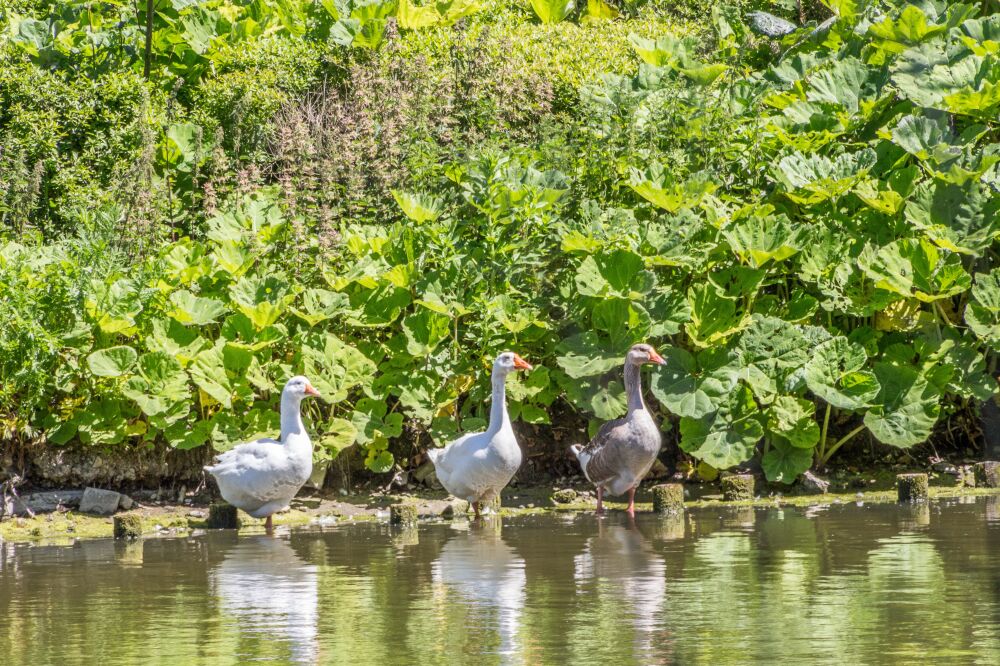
(269, 525)
(631, 502)
(600, 500)
(475, 507)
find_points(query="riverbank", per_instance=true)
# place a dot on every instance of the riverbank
(189, 517)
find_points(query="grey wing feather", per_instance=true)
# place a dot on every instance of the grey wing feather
(604, 452)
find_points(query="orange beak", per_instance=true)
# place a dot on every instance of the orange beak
(312, 391)
(656, 358)
(521, 363)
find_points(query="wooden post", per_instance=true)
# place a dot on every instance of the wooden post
(403, 514)
(128, 526)
(737, 488)
(987, 474)
(668, 498)
(222, 516)
(911, 487)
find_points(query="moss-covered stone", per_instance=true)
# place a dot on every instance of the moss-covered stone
(737, 488)
(668, 498)
(987, 474)
(222, 516)
(128, 526)
(912, 487)
(564, 496)
(456, 507)
(403, 514)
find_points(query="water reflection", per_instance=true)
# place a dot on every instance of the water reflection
(487, 575)
(270, 596)
(876, 584)
(620, 568)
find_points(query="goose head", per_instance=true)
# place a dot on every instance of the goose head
(299, 387)
(508, 362)
(642, 353)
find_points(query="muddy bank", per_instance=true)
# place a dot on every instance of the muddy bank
(63, 522)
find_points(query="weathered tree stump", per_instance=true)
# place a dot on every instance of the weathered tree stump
(222, 516)
(737, 488)
(987, 474)
(911, 487)
(128, 526)
(403, 514)
(668, 498)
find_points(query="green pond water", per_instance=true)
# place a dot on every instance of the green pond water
(843, 584)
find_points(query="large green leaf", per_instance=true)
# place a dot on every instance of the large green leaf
(835, 373)
(727, 436)
(982, 314)
(189, 309)
(618, 273)
(318, 305)
(792, 418)
(694, 387)
(760, 239)
(957, 218)
(261, 299)
(160, 386)
(552, 11)
(587, 355)
(907, 406)
(768, 352)
(814, 178)
(333, 366)
(713, 317)
(663, 189)
(916, 269)
(783, 462)
(424, 331)
(112, 362)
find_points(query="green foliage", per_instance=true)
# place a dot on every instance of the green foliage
(809, 239)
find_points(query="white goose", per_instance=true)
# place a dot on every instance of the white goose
(477, 466)
(263, 476)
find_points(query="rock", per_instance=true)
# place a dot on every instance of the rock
(222, 516)
(455, 507)
(987, 474)
(945, 467)
(668, 498)
(126, 503)
(44, 502)
(101, 502)
(128, 526)
(911, 487)
(967, 476)
(564, 496)
(426, 475)
(737, 488)
(403, 514)
(813, 483)
(769, 25)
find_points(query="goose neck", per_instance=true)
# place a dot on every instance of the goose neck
(499, 419)
(633, 388)
(291, 418)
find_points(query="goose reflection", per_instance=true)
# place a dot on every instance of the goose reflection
(487, 574)
(619, 564)
(271, 593)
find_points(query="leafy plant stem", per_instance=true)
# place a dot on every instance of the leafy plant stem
(822, 437)
(840, 442)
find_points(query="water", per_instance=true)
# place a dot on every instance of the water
(840, 585)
